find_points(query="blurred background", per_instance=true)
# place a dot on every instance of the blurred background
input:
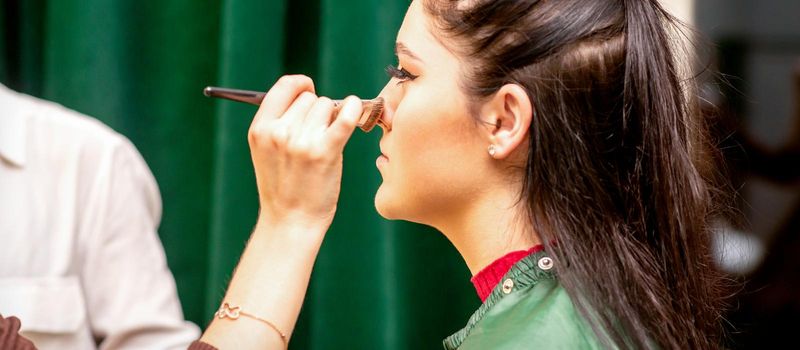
(140, 67)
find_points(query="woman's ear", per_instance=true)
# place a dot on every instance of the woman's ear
(509, 113)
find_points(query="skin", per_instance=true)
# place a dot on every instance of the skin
(435, 166)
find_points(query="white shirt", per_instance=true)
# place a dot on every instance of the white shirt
(80, 258)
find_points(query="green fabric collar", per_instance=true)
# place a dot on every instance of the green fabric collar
(525, 274)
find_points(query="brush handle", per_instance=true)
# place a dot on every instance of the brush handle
(372, 109)
(246, 96)
(250, 96)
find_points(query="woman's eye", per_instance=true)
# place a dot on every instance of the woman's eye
(400, 73)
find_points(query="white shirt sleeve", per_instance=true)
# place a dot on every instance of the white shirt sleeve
(130, 293)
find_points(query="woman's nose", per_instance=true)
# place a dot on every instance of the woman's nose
(390, 101)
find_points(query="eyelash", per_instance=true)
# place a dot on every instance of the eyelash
(400, 73)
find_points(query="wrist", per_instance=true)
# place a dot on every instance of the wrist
(297, 233)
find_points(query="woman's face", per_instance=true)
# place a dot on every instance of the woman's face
(434, 154)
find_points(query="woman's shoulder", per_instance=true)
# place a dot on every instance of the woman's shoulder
(542, 316)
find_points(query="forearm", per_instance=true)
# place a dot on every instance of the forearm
(270, 282)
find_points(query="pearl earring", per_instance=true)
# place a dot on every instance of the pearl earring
(492, 150)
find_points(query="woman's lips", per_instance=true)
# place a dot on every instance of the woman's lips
(382, 159)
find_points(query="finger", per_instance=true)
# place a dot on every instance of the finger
(319, 117)
(296, 114)
(282, 94)
(342, 127)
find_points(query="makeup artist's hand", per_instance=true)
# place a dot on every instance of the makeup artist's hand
(296, 143)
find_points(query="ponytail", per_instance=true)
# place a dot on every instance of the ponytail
(679, 204)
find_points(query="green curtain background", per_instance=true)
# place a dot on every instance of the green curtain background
(140, 66)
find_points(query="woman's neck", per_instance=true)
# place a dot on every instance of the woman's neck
(489, 228)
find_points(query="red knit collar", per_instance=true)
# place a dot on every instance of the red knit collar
(488, 278)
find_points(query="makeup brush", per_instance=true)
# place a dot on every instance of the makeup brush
(371, 115)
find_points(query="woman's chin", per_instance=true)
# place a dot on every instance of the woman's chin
(383, 204)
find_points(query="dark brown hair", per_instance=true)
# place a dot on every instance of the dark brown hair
(615, 167)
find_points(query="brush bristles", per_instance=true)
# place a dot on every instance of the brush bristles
(376, 110)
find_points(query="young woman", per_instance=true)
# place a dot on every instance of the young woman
(552, 142)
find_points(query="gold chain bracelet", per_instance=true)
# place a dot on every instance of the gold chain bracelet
(233, 313)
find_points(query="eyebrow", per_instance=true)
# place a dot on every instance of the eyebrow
(401, 48)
